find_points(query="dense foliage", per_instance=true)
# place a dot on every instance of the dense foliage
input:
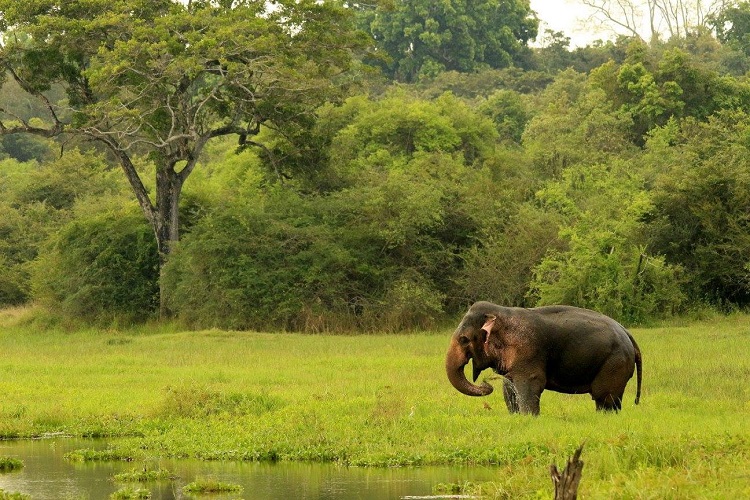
(615, 177)
(424, 37)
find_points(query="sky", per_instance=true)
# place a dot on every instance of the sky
(566, 16)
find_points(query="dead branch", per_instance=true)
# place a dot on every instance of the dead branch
(566, 484)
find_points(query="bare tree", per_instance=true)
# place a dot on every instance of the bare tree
(651, 20)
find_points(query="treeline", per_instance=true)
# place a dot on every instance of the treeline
(615, 177)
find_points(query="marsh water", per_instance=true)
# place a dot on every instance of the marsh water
(47, 475)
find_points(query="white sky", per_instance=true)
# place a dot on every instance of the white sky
(570, 18)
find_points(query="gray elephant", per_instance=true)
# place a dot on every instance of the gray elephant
(559, 348)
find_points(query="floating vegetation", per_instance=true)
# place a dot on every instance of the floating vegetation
(4, 495)
(88, 455)
(131, 493)
(144, 475)
(210, 485)
(8, 464)
(456, 490)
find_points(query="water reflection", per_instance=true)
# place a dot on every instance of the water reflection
(47, 475)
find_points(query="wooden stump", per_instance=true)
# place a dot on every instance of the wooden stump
(566, 484)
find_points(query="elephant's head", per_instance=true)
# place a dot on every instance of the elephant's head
(470, 341)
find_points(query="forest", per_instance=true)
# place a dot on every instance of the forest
(326, 166)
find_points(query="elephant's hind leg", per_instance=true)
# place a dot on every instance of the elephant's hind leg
(608, 387)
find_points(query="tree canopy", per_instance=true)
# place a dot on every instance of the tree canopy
(424, 37)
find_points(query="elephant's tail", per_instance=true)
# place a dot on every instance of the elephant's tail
(638, 368)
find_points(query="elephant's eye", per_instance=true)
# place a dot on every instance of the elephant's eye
(463, 340)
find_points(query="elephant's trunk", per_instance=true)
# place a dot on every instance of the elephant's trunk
(455, 361)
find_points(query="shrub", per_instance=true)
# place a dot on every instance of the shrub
(604, 265)
(620, 281)
(379, 256)
(501, 268)
(198, 402)
(100, 267)
(245, 269)
(4, 495)
(701, 203)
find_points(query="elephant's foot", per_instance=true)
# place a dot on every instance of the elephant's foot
(608, 403)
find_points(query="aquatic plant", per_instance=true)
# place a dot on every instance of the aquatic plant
(8, 464)
(87, 455)
(4, 495)
(210, 485)
(143, 475)
(131, 493)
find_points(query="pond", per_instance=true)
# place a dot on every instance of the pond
(47, 475)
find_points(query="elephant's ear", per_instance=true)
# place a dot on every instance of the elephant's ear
(489, 323)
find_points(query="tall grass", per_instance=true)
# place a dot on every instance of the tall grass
(384, 400)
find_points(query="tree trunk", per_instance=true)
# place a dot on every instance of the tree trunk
(164, 216)
(566, 484)
(167, 223)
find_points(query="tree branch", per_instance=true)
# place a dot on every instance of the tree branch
(625, 19)
(141, 194)
(57, 127)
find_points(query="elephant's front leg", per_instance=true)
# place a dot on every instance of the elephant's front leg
(511, 396)
(528, 391)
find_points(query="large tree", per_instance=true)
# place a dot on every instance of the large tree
(423, 37)
(160, 78)
(732, 26)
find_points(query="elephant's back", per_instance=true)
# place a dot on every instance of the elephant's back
(574, 329)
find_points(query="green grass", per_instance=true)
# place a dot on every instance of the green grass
(143, 475)
(131, 493)
(8, 464)
(5, 495)
(384, 400)
(210, 485)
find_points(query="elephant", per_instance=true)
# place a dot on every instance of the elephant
(560, 348)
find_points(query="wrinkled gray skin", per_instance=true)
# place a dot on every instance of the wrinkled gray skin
(558, 348)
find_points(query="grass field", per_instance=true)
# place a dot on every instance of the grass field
(384, 400)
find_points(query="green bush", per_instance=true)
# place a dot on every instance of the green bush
(501, 268)
(201, 402)
(410, 303)
(12, 283)
(131, 493)
(100, 267)
(5, 495)
(604, 266)
(701, 204)
(619, 280)
(36, 200)
(381, 254)
(207, 485)
(242, 268)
